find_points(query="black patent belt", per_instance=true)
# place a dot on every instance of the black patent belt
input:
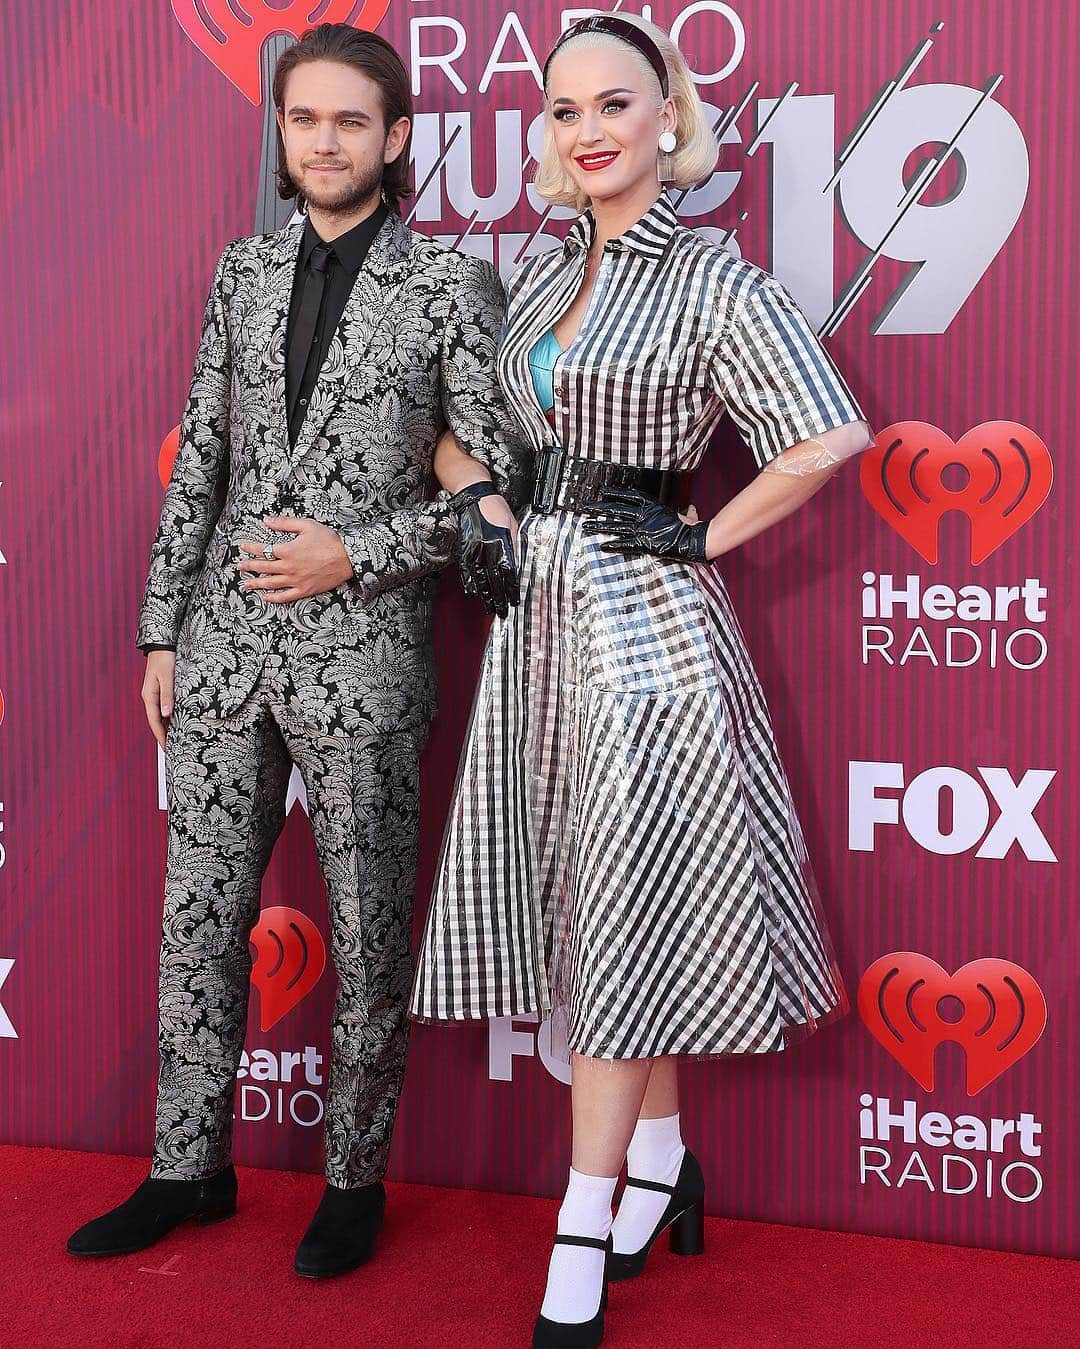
(564, 483)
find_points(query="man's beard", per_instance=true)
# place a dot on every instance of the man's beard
(345, 198)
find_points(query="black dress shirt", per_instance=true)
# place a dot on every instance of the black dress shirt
(347, 254)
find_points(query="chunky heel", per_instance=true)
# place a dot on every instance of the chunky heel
(684, 1219)
(686, 1235)
(215, 1215)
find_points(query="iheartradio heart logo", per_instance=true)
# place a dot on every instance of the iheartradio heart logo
(231, 33)
(998, 474)
(289, 961)
(1003, 1013)
(1, 707)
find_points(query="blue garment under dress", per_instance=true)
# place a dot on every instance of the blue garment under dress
(542, 360)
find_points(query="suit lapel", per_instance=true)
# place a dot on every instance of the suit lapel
(273, 317)
(384, 271)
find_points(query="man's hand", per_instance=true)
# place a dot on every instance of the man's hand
(157, 691)
(309, 564)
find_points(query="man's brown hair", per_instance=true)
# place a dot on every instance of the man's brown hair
(374, 57)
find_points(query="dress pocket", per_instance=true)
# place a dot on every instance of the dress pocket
(643, 625)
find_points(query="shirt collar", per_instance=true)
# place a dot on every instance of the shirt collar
(648, 236)
(350, 248)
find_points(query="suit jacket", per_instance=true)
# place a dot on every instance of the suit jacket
(415, 351)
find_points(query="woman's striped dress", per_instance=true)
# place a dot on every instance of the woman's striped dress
(622, 842)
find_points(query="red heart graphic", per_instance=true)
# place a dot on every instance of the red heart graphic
(1004, 1013)
(290, 958)
(167, 456)
(234, 43)
(1007, 469)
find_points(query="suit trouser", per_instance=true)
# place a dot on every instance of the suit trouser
(227, 779)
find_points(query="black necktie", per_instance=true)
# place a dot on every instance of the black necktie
(306, 320)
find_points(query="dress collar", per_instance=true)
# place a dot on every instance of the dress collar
(648, 236)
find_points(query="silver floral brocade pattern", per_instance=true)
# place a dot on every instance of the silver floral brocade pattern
(227, 781)
(341, 684)
(415, 351)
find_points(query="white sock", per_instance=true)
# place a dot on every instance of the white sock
(655, 1153)
(576, 1273)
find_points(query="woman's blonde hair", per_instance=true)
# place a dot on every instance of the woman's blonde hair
(696, 151)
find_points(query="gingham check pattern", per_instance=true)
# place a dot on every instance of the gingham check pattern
(622, 841)
(678, 331)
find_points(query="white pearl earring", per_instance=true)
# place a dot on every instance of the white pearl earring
(665, 170)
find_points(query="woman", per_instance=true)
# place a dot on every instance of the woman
(622, 845)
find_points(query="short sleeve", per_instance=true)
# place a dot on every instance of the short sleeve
(779, 383)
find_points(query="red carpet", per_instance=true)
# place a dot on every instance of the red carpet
(464, 1270)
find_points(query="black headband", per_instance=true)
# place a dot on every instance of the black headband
(613, 26)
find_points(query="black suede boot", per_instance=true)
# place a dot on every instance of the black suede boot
(155, 1208)
(342, 1233)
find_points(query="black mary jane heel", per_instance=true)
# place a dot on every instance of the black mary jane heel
(575, 1334)
(684, 1217)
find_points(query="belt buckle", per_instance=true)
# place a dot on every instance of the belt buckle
(547, 481)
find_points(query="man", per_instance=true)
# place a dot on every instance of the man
(287, 620)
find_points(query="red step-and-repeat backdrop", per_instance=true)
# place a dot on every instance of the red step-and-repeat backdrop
(909, 173)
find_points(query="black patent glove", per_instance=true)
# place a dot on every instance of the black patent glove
(485, 551)
(637, 524)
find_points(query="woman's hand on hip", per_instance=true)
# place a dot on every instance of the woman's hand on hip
(635, 525)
